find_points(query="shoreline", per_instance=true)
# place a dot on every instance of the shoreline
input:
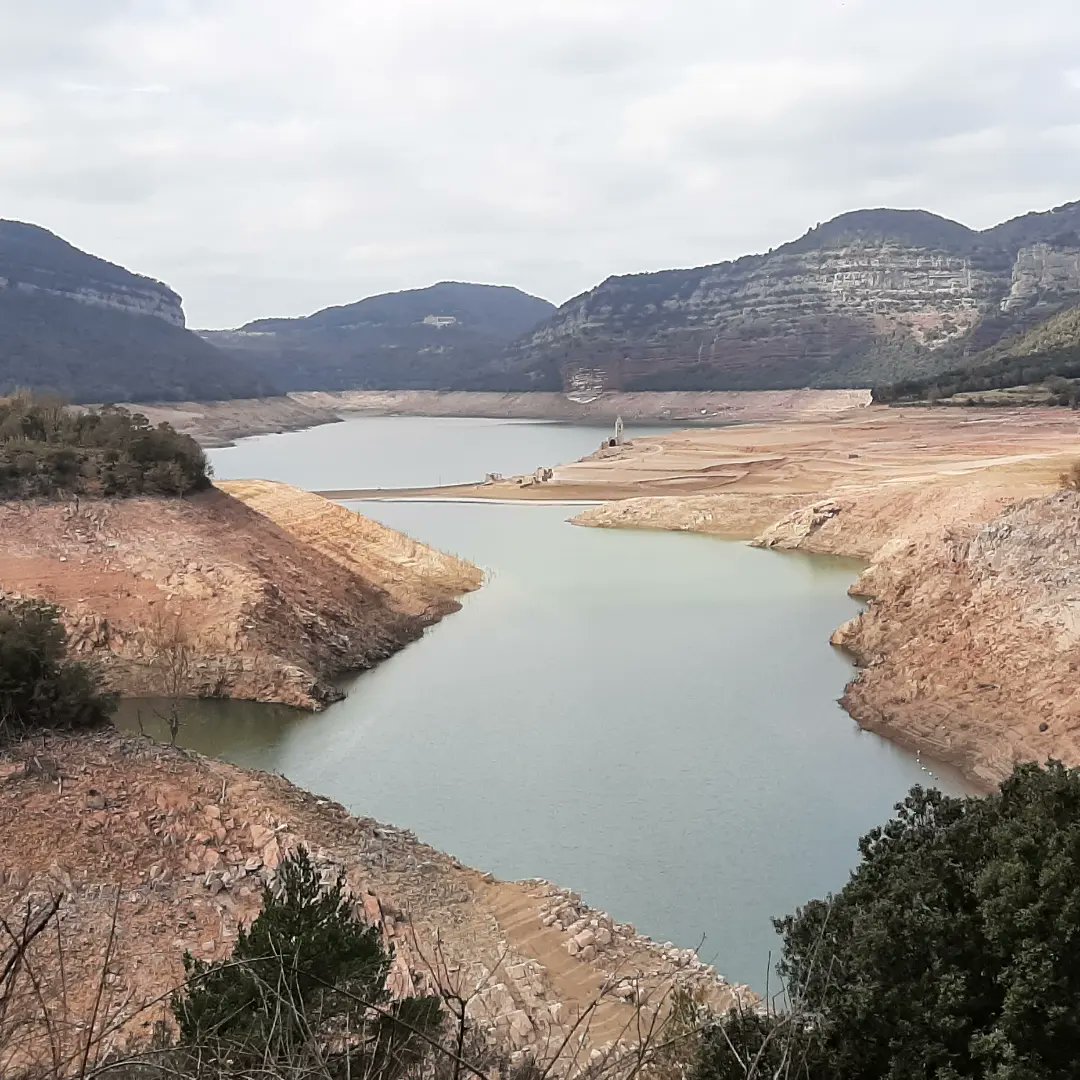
(217, 834)
(216, 424)
(952, 658)
(863, 483)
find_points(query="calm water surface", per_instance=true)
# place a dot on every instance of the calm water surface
(409, 451)
(647, 717)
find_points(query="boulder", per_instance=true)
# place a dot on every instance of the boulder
(585, 937)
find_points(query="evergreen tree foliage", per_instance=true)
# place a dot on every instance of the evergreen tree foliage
(47, 450)
(40, 687)
(306, 981)
(953, 952)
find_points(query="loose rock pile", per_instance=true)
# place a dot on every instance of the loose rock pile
(594, 936)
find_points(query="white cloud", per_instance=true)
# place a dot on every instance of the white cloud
(265, 157)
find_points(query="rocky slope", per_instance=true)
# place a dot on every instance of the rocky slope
(432, 338)
(34, 261)
(870, 297)
(92, 331)
(966, 649)
(205, 596)
(176, 849)
(417, 579)
(1041, 366)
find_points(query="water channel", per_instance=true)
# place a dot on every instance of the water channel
(648, 718)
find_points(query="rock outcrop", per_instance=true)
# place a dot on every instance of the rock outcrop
(34, 261)
(872, 296)
(204, 596)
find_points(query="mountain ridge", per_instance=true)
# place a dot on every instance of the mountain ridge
(426, 338)
(77, 325)
(870, 296)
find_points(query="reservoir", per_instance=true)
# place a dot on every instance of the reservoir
(409, 451)
(648, 718)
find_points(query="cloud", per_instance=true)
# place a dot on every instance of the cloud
(268, 158)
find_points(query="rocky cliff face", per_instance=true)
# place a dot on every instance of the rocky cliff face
(33, 261)
(1041, 273)
(869, 297)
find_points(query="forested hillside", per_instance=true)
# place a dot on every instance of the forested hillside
(436, 338)
(1039, 367)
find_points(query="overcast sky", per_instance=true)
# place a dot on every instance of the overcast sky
(271, 157)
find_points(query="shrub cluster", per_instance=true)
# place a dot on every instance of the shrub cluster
(47, 449)
(40, 688)
(303, 993)
(952, 953)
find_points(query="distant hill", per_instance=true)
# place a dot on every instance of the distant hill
(74, 324)
(870, 297)
(434, 338)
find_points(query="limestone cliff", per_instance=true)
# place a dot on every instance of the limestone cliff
(91, 331)
(872, 296)
(205, 596)
(35, 261)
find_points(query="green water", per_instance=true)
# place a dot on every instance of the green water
(649, 718)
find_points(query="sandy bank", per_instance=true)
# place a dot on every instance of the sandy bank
(218, 423)
(211, 596)
(179, 847)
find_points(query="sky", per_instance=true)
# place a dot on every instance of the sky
(270, 157)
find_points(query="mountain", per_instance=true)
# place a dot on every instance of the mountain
(92, 331)
(1032, 368)
(433, 338)
(869, 297)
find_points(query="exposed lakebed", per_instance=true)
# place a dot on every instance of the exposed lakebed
(648, 718)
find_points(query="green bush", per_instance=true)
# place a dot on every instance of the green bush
(40, 687)
(306, 983)
(48, 450)
(953, 952)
